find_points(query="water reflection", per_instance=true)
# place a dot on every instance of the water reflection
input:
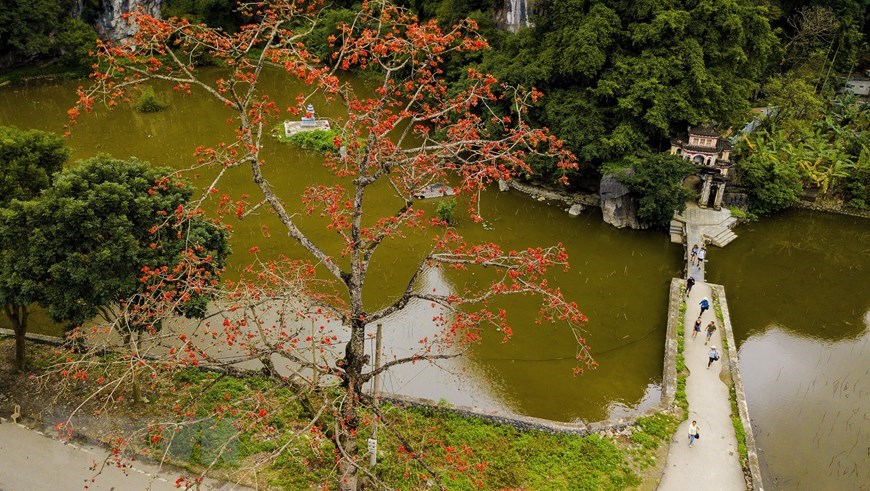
(809, 403)
(799, 294)
(806, 272)
(619, 278)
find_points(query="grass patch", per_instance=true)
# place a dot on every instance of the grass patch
(500, 456)
(680, 394)
(742, 214)
(738, 430)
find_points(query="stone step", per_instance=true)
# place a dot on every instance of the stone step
(719, 233)
(730, 222)
(724, 239)
(677, 238)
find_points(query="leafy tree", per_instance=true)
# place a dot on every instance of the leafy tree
(622, 77)
(796, 103)
(27, 161)
(413, 131)
(32, 30)
(774, 183)
(216, 13)
(103, 226)
(656, 180)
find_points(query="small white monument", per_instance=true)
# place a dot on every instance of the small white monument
(308, 123)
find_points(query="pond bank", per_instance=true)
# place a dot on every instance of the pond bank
(498, 454)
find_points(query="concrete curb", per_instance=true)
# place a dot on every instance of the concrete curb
(39, 338)
(669, 372)
(742, 407)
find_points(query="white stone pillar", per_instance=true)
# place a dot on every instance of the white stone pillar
(720, 193)
(705, 191)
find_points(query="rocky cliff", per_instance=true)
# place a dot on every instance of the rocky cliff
(111, 25)
(618, 206)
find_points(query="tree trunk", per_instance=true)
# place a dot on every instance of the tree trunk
(354, 360)
(17, 315)
(137, 389)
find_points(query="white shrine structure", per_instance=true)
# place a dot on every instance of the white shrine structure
(308, 123)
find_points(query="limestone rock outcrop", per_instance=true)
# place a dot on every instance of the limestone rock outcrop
(111, 25)
(618, 205)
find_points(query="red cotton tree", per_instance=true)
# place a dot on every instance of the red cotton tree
(413, 131)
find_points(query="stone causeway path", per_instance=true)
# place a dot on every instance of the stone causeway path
(713, 463)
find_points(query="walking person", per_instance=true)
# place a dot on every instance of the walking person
(697, 328)
(711, 327)
(702, 253)
(694, 253)
(713, 355)
(689, 284)
(705, 305)
(693, 433)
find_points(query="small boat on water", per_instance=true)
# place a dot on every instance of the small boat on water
(435, 190)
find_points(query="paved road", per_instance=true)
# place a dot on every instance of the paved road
(712, 463)
(30, 461)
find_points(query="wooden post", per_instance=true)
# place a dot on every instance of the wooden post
(376, 394)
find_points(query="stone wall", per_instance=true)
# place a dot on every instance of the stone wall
(742, 407)
(669, 372)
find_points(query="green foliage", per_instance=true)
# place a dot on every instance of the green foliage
(774, 184)
(215, 13)
(829, 153)
(657, 183)
(623, 77)
(327, 25)
(741, 214)
(445, 210)
(657, 429)
(91, 234)
(796, 102)
(28, 159)
(76, 41)
(34, 30)
(739, 431)
(318, 140)
(148, 102)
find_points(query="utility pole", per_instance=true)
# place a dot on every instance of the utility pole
(376, 394)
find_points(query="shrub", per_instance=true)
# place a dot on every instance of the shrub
(656, 181)
(445, 210)
(148, 102)
(318, 140)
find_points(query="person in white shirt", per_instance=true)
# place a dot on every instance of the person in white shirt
(693, 433)
(714, 355)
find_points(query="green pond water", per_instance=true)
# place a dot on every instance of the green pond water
(797, 288)
(619, 278)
